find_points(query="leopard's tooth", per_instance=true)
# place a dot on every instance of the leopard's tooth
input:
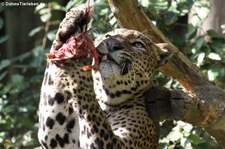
(104, 57)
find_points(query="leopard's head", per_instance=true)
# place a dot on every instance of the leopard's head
(127, 64)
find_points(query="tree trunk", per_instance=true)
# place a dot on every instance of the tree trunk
(206, 106)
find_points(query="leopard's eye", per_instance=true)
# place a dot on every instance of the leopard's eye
(138, 44)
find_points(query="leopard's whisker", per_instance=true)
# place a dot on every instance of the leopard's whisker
(125, 55)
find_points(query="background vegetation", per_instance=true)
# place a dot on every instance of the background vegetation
(25, 39)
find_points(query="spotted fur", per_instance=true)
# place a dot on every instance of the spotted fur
(58, 121)
(108, 112)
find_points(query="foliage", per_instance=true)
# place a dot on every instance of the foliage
(19, 94)
(207, 50)
(19, 100)
(184, 136)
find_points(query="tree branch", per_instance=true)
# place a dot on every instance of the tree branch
(206, 106)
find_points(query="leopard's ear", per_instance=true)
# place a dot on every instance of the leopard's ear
(165, 52)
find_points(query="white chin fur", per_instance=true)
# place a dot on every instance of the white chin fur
(109, 70)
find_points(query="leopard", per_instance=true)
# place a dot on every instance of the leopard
(103, 108)
(129, 60)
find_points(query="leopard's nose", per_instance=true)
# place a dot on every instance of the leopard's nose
(113, 44)
(109, 45)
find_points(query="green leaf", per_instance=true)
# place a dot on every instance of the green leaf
(9, 109)
(177, 40)
(46, 17)
(4, 63)
(44, 11)
(200, 58)
(145, 3)
(73, 3)
(223, 28)
(2, 75)
(214, 56)
(212, 74)
(218, 45)
(195, 139)
(40, 7)
(3, 38)
(213, 34)
(1, 23)
(56, 6)
(191, 32)
(170, 17)
(185, 142)
(17, 79)
(202, 146)
(51, 35)
(206, 49)
(199, 42)
(37, 51)
(35, 31)
(175, 135)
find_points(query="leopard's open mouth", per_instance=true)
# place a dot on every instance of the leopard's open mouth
(124, 64)
(106, 58)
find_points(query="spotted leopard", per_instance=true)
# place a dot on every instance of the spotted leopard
(126, 71)
(103, 109)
